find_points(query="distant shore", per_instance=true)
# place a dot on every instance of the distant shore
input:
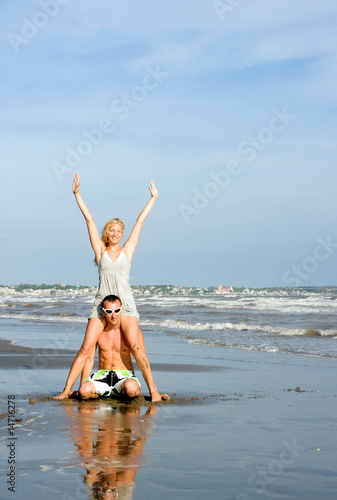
(46, 289)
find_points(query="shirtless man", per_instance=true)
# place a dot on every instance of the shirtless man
(115, 371)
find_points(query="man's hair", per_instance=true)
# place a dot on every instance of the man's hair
(111, 298)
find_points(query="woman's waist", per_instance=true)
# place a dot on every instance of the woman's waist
(114, 288)
(114, 278)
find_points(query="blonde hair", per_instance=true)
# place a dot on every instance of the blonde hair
(106, 228)
(105, 233)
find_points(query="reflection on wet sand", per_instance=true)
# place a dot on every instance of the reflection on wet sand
(110, 441)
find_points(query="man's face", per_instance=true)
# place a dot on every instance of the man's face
(112, 318)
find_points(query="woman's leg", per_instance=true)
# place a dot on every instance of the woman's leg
(94, 328)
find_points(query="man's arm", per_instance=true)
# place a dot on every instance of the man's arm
(76, 368)
(141, 340)
(91, 336)
(88, 365)
(137, 349)
(144, 366)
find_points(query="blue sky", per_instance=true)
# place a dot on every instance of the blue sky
(230, 106)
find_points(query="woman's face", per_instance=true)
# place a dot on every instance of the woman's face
(115, 233)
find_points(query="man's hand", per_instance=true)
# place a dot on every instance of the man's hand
(156, 397)
(165, 397)
(62, 395)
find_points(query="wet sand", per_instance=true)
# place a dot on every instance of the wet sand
(241, 425)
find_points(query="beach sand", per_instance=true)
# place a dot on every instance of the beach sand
(241, 425)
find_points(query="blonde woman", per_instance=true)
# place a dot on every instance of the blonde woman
(114, 262)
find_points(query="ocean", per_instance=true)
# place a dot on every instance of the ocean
(292, 321)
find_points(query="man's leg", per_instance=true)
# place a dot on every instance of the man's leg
(87, 390)
(130, 388)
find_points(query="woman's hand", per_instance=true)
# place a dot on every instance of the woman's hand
(153, 189)
(76, 184)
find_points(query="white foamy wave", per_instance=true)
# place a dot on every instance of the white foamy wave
(328, 333)
(185, 325)
(44, 319)
(307, 305)
(264, 347)
(240, 327)
(168, 301)
(281, 305)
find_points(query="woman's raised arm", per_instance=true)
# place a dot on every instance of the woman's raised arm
(131, 244)
(95, 239)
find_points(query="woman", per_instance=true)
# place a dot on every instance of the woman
(114, 264)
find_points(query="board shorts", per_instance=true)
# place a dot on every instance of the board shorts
(109, 382)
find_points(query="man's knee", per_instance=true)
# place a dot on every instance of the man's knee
(131, 388)
(87, 390)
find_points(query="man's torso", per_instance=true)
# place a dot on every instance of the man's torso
(113, 351)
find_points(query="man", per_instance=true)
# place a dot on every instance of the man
(115, 372)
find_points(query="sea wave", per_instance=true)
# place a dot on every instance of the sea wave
(57, 318)
(284, 305)
(180, 324)
(241, 327)
(302, 324)
(263, 348)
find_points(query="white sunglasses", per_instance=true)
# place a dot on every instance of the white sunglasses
(110, 311)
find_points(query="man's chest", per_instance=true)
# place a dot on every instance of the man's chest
(112, 342)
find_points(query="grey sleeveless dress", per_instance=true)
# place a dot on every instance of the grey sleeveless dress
(114, 280)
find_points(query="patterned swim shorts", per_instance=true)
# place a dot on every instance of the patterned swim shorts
(109, 382)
